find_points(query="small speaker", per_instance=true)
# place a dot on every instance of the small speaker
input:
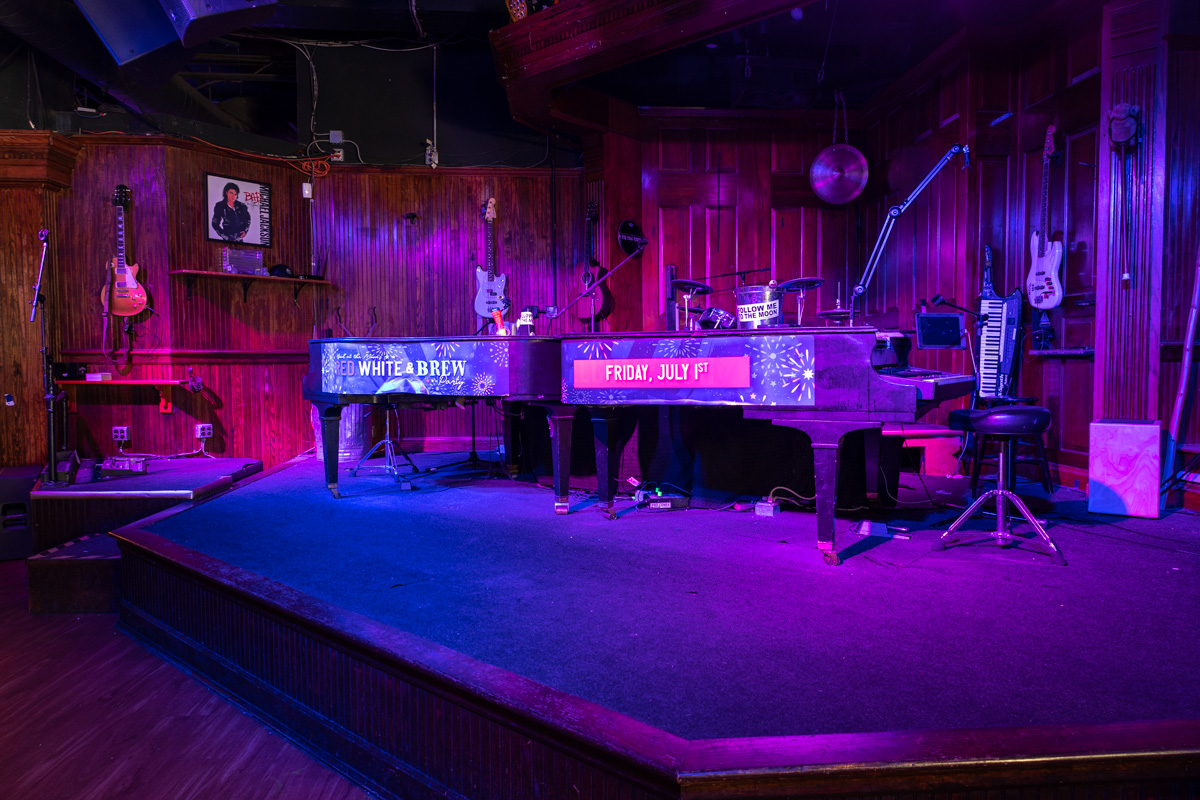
(198, 21)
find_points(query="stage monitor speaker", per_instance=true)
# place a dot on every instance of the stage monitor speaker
(138, 35)
(198, 21)
(1123, 467)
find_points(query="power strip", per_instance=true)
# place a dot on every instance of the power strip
(766, 508)
(124, 465)
(666, 502)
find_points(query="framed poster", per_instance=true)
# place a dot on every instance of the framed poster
(237, 211)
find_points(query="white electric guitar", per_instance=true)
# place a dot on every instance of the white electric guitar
(490, 296)
(1042, 285)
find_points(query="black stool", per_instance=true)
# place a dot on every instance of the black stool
(978, 449)
(1006, 424)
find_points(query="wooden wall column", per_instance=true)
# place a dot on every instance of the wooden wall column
(35, 168)
(1130, 235)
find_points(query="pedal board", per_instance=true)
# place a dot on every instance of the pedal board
(116, 466)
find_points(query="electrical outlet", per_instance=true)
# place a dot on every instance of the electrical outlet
(120, 433)
(204, 430)
(339, 155)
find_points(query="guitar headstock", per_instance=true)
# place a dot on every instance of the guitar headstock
(592, 214)
(122, 196)
(987, 256)
(1048, 147)
(489, 210)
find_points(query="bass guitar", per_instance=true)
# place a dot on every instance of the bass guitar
(122, 295)
(1042, 284)
(490, 295)
(593, 274)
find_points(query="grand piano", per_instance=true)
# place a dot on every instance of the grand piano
(825, 382)
(432, 373)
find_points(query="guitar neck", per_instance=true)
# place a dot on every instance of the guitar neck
(490, 255)
(121, 262)
(589, 240)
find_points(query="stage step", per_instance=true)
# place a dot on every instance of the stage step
(79, 577)
(16, 532)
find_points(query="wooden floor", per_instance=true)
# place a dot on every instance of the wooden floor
(86, 713)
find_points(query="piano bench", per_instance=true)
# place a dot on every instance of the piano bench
(938, 443)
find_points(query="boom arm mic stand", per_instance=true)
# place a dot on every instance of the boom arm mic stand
(892, 215)
(632, 243)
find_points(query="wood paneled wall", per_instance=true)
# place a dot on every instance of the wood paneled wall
(35, 169)
(402, 246)
(727, 201)
(399, 247)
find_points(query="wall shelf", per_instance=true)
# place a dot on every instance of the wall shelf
(163, 386)
(190, 276)
(1065, 352)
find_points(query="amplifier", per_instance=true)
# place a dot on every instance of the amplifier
(242, 262)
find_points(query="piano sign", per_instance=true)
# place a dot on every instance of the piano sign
(684, 368)
(448, 368)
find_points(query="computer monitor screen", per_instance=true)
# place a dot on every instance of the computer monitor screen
(941, 332)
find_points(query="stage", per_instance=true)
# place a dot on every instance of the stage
(460, 639)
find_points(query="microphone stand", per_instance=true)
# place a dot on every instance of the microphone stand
(49, 390)
(892, 215)
(641, 245)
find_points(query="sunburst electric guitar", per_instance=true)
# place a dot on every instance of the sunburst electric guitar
(1042, 285)
(122, 295)
(490, 296)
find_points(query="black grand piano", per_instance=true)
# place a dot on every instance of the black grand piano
(825, 382)
(432, 373)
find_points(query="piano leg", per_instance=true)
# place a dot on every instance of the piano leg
(826, 437)
(331, 431)
(560, 418)
(608, 458)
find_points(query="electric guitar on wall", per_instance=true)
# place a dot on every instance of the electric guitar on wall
(490, 296)
(122, 295)
(593, 273)
(1042, 285)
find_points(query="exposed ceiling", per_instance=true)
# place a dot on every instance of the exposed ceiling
(237, 61)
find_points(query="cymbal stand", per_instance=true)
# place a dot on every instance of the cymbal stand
(390, 447)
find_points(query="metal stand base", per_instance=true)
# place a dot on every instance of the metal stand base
(391, 464)
(1003, 534)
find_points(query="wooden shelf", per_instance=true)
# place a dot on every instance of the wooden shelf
(190, 275)
(1065, 352)
(163, 386)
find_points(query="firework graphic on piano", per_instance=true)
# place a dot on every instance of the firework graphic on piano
(799, 372)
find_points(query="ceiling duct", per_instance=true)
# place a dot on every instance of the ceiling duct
(60, 31)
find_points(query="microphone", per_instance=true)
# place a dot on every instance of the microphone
(966, 157)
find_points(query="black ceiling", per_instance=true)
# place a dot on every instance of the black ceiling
(249, 73)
